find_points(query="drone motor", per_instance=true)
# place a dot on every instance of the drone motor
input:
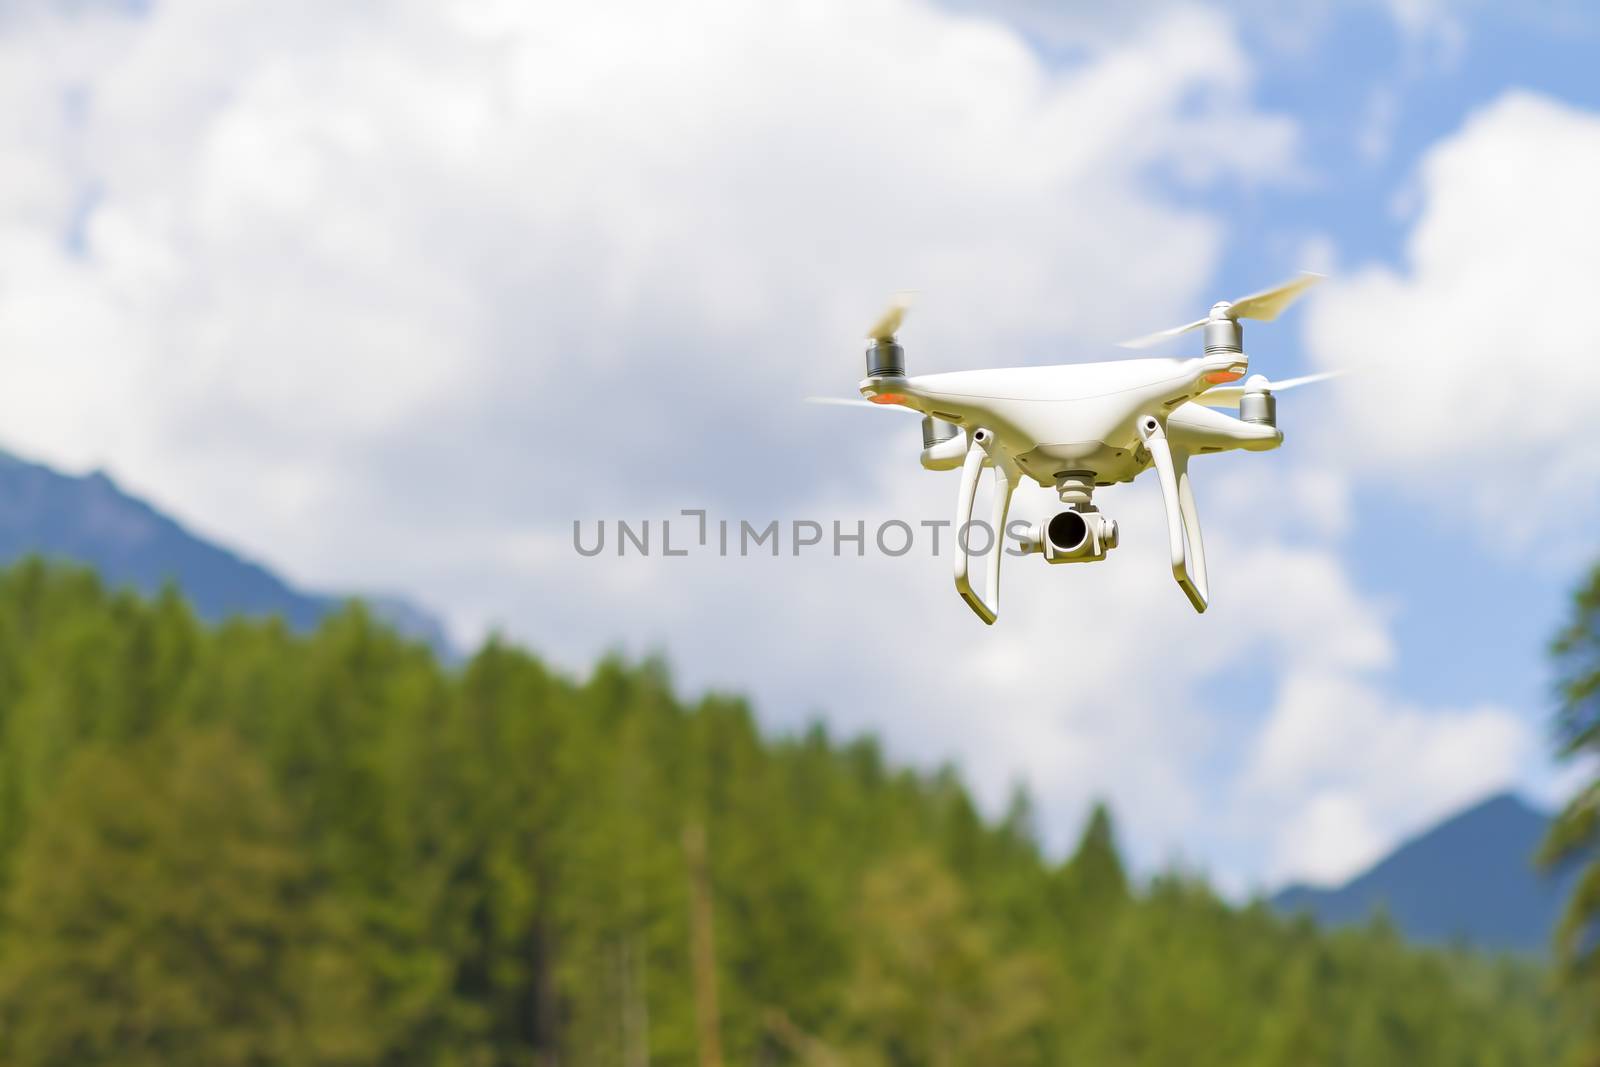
(943, 447)
(1223, 332)
(1257, 405)
(886, 359)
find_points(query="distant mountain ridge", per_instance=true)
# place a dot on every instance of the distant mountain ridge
(89, 519)
(1471, 878)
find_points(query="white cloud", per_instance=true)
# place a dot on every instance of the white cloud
(1434, 23)
(1345, 770)
(496, 259)
(1478, 358)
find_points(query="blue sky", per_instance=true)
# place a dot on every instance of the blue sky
(1474, 620)
(1372, 95)
(388, 295)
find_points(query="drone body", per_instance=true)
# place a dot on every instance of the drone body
(1078, 427)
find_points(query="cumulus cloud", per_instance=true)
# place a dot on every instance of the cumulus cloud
(421, 267)
(1345, 770)
(1479, 353)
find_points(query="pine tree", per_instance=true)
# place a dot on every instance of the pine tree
(1095, 877)
(1574, 837)
(161, 913)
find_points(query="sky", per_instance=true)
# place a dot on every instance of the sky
(390, 295)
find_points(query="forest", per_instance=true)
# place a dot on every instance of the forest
(235, 845)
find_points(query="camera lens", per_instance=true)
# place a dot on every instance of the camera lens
(1067, 531)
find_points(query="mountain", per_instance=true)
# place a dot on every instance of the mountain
(90, 520)
(1470, 878)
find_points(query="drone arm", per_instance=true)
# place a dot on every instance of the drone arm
(981, 452)
(1183, 519)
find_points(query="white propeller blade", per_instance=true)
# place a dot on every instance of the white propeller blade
(1269, 303)
(1161, 335)
(1228, 396)
(849, 402)
(889, 324)
(1265, 306)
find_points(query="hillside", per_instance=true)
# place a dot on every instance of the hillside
(235, 845)
(89, 519)
(1471, 878)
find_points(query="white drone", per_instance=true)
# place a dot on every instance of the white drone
(1078, 426)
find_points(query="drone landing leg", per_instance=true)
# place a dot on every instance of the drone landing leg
(1191, 527)
(1003, 483)
(1183, 519)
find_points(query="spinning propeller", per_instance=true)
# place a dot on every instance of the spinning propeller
(885, 357)
(1229, 396)
(851, 402)
(1263, 306)
(888, 323)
